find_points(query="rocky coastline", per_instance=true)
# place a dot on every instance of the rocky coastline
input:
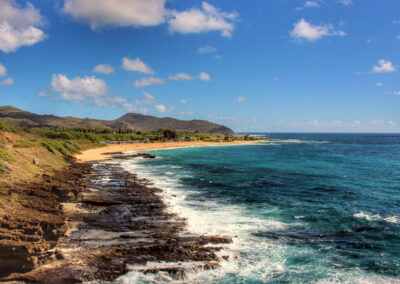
(95, 221)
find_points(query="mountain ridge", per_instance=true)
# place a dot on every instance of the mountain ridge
(134, 121)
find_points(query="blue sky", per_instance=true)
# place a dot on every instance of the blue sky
(261, 65)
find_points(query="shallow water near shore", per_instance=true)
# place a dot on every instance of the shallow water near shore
(306, 208)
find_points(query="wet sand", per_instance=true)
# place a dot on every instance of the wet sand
(107, 151)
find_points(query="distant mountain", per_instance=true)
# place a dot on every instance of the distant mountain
(21, 118)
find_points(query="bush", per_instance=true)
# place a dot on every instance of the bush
(54, 146)
(5, 156)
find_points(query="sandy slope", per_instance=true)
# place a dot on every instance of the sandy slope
(101, 153)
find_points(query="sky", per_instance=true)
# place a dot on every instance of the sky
(255, 66)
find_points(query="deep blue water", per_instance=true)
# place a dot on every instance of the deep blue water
(306, 208)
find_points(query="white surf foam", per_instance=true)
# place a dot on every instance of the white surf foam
(377, 217)
(250, 258)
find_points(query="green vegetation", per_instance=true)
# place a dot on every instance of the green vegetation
(5, 156)
(64, 147)
(6, 127)
(22, 143)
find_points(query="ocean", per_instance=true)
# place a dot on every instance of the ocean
(306, 208)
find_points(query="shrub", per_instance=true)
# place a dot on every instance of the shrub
(54, 146)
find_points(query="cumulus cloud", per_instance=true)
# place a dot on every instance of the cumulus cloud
(206, 19)
(18, 26)
(203, 76)
(148, 81)
(146, 13)
(206, 49)
(117, 13)
(379, 84)
(383, 67)
(149, 99)
(304, 30)
(183, 101)
(7, 82)
(241, 99)
(103, 69)
(160, 108)
(181, 77)
(78, 89)
(396, 93)
(346, 2)
(136, 65)
(392, 123)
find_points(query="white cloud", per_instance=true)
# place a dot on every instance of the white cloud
(188, 113)
(206, 19)
(392, 123)
(136, 65)
(311, 4)
(383, 67)
(149, 99)
(148, 81)
(78, 89)
(203, 76)
(130, 107)
(7, 82)
(356, 123)
(206, 49)
(241, 99)
(18, 25)
(217, 56)
(304, 30)
(11, 39)
(183, 101)
(186, 77)
(160, 108)
(396, 93)
(181, 77)
(377, 122)
(103, 69)
(346, 2)
(117, 13)
(379, 84)
(3, 70)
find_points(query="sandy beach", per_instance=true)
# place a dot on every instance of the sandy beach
(101, 153)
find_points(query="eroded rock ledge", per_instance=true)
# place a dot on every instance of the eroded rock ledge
(97, 222)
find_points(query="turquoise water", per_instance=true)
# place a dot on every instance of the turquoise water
(306, 208)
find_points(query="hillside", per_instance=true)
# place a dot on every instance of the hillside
(21, 118)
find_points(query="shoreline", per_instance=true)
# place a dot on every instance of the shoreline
(104, 153)
(110, 223)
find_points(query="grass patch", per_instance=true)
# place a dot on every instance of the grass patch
(22, 143)
(5, 156)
